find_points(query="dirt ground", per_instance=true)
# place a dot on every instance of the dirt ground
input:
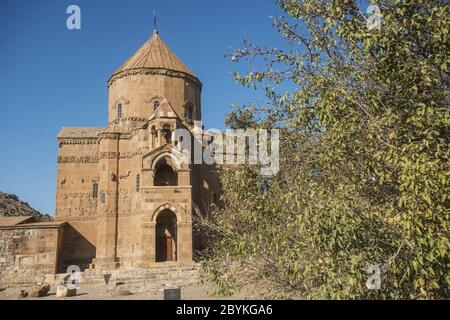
(199, 291)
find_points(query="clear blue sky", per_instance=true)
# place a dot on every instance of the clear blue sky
(53, 77)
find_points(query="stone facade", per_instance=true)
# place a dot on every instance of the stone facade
(124, 200)
(29, 251)
(125, 196)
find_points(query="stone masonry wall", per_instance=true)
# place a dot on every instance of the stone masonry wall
(27, 254)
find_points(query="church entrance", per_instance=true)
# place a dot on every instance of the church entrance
(166, 236)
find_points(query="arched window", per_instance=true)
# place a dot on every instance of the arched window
(189, 112)
(155, 104)
(167, 133)
(138, 183)
(165, 175)
(103, 198)
(119, 111)
(154, 136)
(95, 190)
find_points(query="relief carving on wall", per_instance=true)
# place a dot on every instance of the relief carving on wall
(129, 204)
(124, 176)
(122, 155)
(81, 205)
(77, 141)
(77, 205)
(75, 159)
(108, 155)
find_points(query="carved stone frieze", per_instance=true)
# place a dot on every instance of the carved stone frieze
(152, 71)
(77, 141)
(76, 159)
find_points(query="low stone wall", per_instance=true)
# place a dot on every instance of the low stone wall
(28, 252)
(138, 280)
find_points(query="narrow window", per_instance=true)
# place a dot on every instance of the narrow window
(103, 199)
(155, 104)
(138, 183)
(189, 112)
(95, 190)
(154, 136)
(119, 111)
(167, 133)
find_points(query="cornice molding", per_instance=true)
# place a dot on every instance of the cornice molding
(152, 71)
(78, 141)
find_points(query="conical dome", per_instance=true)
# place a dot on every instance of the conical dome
(154, 54)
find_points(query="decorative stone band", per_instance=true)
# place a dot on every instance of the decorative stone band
(36, 225)
(114, 135)
(78, 141)
(122, 120)
(122, 155)
(152, 71)
(62, 215)
(75, 159)
(102, 155)
(153, 189)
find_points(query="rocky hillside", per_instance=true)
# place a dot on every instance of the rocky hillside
(10, 206)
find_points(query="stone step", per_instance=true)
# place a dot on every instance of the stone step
(140, 280)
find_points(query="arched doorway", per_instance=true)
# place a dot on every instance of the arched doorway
(166, 236)
(165, 175)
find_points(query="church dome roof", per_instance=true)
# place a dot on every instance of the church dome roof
(156, 55)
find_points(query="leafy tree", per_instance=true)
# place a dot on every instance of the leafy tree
(364, 166)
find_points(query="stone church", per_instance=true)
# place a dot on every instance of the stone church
(124, 199)
(128, 200)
